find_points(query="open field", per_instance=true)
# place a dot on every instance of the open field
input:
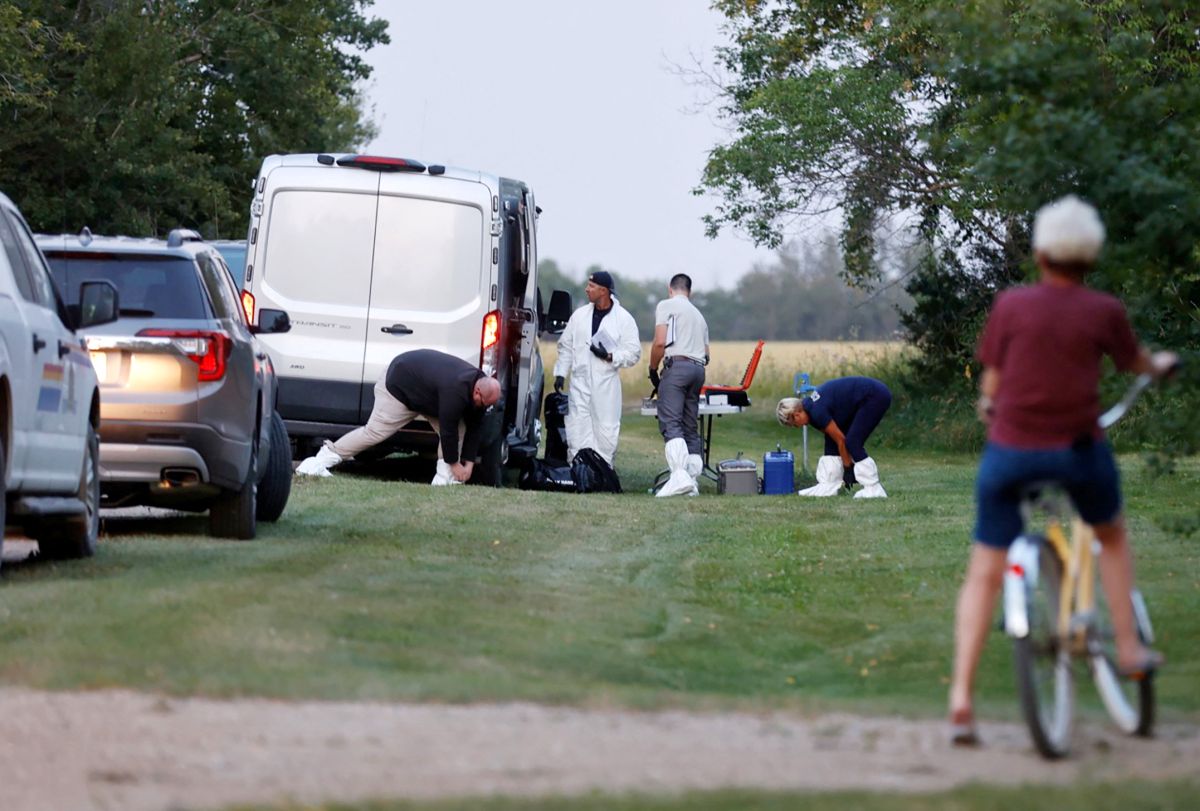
(780, 362)
(372, 589)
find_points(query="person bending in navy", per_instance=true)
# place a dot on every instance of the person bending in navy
(846, 410)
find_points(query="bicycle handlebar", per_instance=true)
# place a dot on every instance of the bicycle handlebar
(1114, 414)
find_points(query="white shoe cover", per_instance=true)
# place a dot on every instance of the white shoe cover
(867, 473)
(680, 483)
(444, 476)
(695, 467)
(829, 478)
(319, 465)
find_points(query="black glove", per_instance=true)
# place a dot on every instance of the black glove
(558, 384)
(848, 477)
(655, 379)
(599, 351)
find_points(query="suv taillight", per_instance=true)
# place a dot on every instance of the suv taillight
(208, 348)
(489, 343)
(248, 306)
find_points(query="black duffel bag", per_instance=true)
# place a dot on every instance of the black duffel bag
(547, 476)
(592, 474)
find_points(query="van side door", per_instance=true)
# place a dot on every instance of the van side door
(529, 361)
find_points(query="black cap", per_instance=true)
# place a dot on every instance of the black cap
(602, 278)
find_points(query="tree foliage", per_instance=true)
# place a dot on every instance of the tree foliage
(961, 119)
(137, 117)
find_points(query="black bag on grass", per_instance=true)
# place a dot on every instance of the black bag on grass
(555, 410)
(539, 475)
(592, 474)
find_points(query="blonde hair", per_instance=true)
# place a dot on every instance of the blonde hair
(1068, 231)
(786, 408)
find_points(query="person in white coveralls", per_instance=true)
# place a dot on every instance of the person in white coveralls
(600, 338)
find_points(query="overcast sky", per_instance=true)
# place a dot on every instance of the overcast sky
(581, 101)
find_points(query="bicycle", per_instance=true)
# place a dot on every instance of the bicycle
(1054, 616)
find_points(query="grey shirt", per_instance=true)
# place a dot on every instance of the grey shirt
(687, 331)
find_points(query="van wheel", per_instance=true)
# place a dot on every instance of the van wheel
(489, 471)
(232, 513)
(75, 536)
(276, 485)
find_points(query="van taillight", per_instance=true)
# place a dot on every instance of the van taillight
(209, 349)
(489, 343)
(248, 306)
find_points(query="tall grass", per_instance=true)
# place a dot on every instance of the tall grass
(927, 415)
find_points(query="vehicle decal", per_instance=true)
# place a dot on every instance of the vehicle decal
(49, 398)
(52, 371)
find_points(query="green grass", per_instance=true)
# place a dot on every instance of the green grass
(1170, 796)
(370, 588)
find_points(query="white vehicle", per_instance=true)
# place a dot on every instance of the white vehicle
(375, 256)
(49, 401)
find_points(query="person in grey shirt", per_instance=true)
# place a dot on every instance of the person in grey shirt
(681, 345)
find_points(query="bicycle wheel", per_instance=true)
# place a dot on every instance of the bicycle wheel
(1130, 702)
(1043, 662)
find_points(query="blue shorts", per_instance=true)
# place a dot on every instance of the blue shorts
(1088, 474)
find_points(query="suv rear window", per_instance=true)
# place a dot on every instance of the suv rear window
(152, 285)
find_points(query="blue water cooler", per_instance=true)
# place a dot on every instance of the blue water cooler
(779, 472)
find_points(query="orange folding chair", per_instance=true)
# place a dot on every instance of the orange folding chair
(738, 394)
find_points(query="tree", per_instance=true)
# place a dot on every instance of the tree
(156, 114)
(962, 119)
(23, 43)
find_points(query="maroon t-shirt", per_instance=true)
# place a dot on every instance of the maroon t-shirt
(1046, 342)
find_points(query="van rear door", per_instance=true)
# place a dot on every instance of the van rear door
(316, 265)
(431, 277)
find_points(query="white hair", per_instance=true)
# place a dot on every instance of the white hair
(1068, 230)
(786, 408)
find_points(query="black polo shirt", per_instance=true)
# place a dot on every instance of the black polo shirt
(441, 386)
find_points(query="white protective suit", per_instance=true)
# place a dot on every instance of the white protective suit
(594, 414)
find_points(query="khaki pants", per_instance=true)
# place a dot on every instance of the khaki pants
(388, 416)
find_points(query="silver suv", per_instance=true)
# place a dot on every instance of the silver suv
(187, 405)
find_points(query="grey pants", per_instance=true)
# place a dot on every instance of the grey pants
(679, 403)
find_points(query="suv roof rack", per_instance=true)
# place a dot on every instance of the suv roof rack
(178, 236)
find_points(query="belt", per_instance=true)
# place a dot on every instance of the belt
(674, 358)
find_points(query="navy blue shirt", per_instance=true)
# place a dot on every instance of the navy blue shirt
(839, 400)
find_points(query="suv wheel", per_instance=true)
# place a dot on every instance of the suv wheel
(75, 536)
(276, 485)
(232, 513)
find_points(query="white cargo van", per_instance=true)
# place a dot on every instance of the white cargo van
(374, 256)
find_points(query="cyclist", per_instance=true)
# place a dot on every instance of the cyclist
(1041, 351)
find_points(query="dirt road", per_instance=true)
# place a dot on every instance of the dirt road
(137, 752)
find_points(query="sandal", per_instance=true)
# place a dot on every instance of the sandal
(1145, 667)
(962, 729)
